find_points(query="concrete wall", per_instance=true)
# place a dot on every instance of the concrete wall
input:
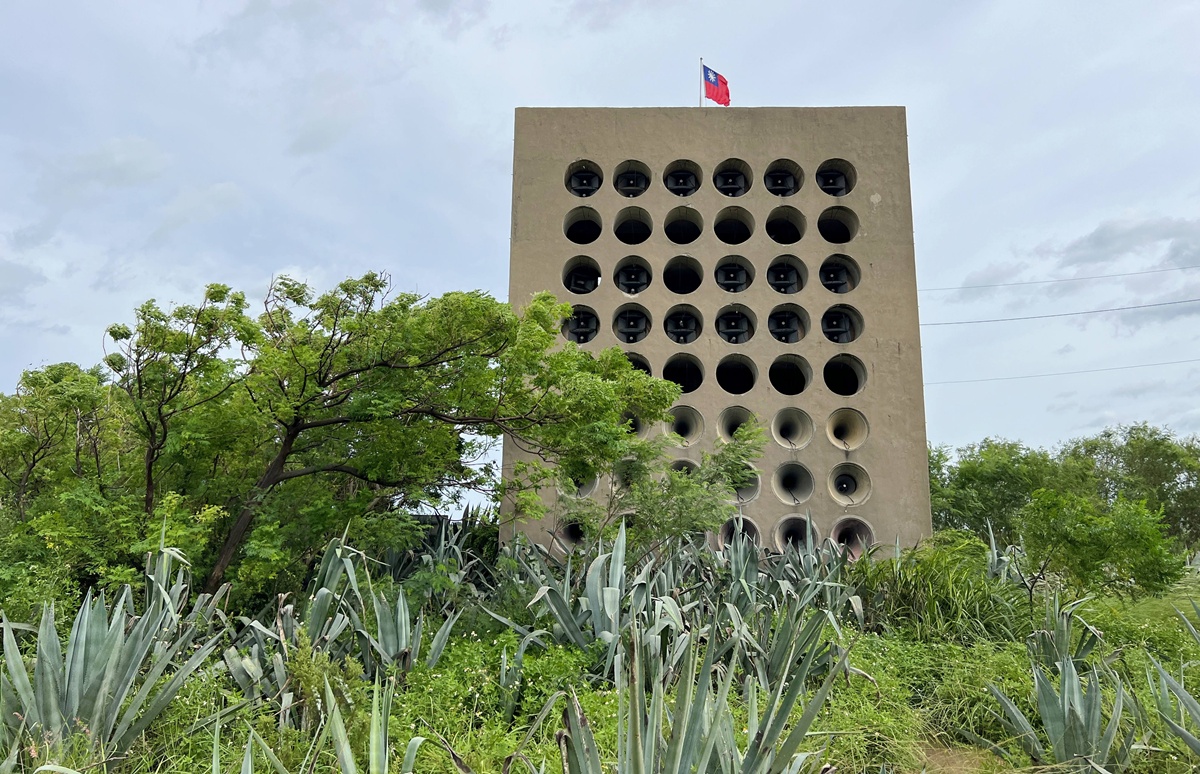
(874, 143)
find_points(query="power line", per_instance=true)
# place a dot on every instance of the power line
(1062, 314)
(1065, 279)
(1063, 373)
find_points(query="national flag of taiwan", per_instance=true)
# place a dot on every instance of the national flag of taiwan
(716, 87)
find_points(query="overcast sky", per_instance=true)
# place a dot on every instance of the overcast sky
(147, 149)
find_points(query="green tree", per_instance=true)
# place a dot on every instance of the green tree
(1117, 547)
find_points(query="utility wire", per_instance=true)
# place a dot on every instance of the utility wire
(1063, 373)
(1065, 279)
(1062, 314)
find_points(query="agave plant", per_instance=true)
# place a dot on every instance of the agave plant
(119, 670)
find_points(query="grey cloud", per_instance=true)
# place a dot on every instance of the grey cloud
(333, 106)
(1065, 349)
(454, 16)
(196, 205)
(1113, 240)
(601, 14)
(15, 280)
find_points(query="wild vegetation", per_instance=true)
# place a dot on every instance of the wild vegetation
(240, 544)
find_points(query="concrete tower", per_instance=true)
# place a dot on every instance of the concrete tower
(762, 258)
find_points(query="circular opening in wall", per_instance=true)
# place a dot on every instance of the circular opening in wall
(736, 374)
(787, 275)
(734, 274)
(625, 472)
(682, 177)
(847, 429)
(785, 225)
(584, 178)
(683, 225)
(789, 374)
(571, 534)
(685, 371)
(838, 225)
(735, 324)
(631, 178)
(632, 275)
(582, 326)
(836, 177)
(841, 324)
(638, 362)
(687, 467)
(792, 482)
(797, 533)
(732, 419)
(733, 225)
(732, 177)
(687, 423)
(787, 323)
(683, 324)
(845, 375)
(738, 526)
(631, 323)
(584, 487)
(682, 274)
(792, 428)
(849, 484)
(582, 225)
(633, 225)
(840, 274)
(751, 483)
(581, 275)
(634, 425)
(784, 177)
(854, 536)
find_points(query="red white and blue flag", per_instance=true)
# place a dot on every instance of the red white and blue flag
(716, 87)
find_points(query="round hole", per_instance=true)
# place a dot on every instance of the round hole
(838, 225)
(849, 484)
(789, 374)
(787, 323)
(685, 371)
(732, 419)
(732, 177)
(633, 225)
(836, 177)
(631, 323)
(787, 274)
(682, 177)
(792, 428)
(584, 487)
(683, 225)
(634, 424)
(571, 533)
(845, 375)
(854, 536)
(682, 274)
(749, 488)
(785, 225)
(582, 326)
(631, 178)
(841, 324)
(735, 324)
(584, 178)
(683, 324)
(582, 225)
(687, 467)
(632, 275)
(687, 423)
(733, 225)
(581, 275)
(847, 429)
(840, 274)
(625, 472)
(784, 177)
(638, 362)
(796, 533)
(736, 374)
(735, 274)
(792, 482)
(738, 526)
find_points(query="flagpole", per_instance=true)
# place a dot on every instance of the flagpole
(700, 103)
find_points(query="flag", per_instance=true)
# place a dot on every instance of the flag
(716, 87)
